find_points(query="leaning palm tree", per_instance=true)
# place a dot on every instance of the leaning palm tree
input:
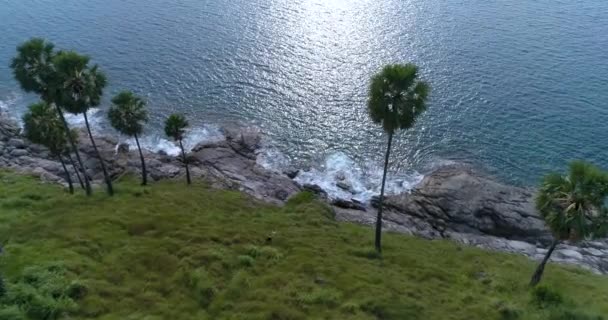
(33, 68)
(42, 125)
(396, 99)
(80, 89)
(175, 127)
(128, 116)
(573, 206)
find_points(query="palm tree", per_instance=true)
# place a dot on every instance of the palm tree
(175, 127)
(33, 68)
(42, 125)
(573, 206)
(396, 99)
(80, 89)
(128, 116)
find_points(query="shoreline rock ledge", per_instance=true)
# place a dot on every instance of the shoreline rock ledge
(461, 204)
(227, 164)
(453, 202)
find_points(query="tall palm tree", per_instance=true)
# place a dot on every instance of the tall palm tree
(80, 89)
(128, 116)
(396, 99)
(573, 206)
(42, 125)
(175, 127)
(33, 68)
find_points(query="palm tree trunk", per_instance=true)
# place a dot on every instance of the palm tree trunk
(75, 170)
(538, 274)
(103, 166)
(381, 203)
(67, 174)
(185, 162)
(144, 174)
(75, 149)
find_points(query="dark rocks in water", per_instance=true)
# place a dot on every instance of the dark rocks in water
(313, 188)
(123, 148)
(348, 204)
(292, 173)
(344, 185)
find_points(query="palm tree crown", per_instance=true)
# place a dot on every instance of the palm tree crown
(175, 126)
(33, 67)
(397, 97)
(42, 125)
(573, 205)
(81, 86)
(128, 114)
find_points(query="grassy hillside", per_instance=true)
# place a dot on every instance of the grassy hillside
(175, 252)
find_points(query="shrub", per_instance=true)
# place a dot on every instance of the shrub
(2, 287)
(11, 313)
(268, 253)
(245, 261)
(544, 297)
(301, 198)
(320, 296)
(42, 293)
(563, 314)
(509, 313)
(368, 253)
(202, 286)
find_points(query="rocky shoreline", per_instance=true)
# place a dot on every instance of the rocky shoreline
(453, 202)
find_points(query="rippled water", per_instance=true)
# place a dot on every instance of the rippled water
(519, 87)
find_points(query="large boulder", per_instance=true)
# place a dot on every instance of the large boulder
(459, 199)
(234, 162)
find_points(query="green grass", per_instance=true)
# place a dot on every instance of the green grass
(169, 251)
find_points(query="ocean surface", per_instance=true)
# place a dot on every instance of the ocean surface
(519, 88)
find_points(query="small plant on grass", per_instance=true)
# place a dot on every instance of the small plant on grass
(175, 128)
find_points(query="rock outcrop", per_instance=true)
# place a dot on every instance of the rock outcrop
(460, 204)
(230, 163)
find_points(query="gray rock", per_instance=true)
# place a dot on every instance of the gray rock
(346, 204)
(345, 185)
(315, 189)
(16, 143)
(460, 200)
(18, 153)
(123, 148)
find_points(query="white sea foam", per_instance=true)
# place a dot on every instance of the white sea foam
(343, 178)
(157, 142)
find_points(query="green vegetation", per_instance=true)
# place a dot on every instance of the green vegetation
(34, 70)
(396, 99)
(175, 128)
(169, 252)
(573, 206)
(43, 126)
(80, 89)
(128, 115)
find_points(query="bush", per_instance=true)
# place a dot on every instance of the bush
(327, 297)
(245, 261)
(544, 297)
(2, 287)
(11, 313)
(41, 293)
(562, 314)
(202, 286)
